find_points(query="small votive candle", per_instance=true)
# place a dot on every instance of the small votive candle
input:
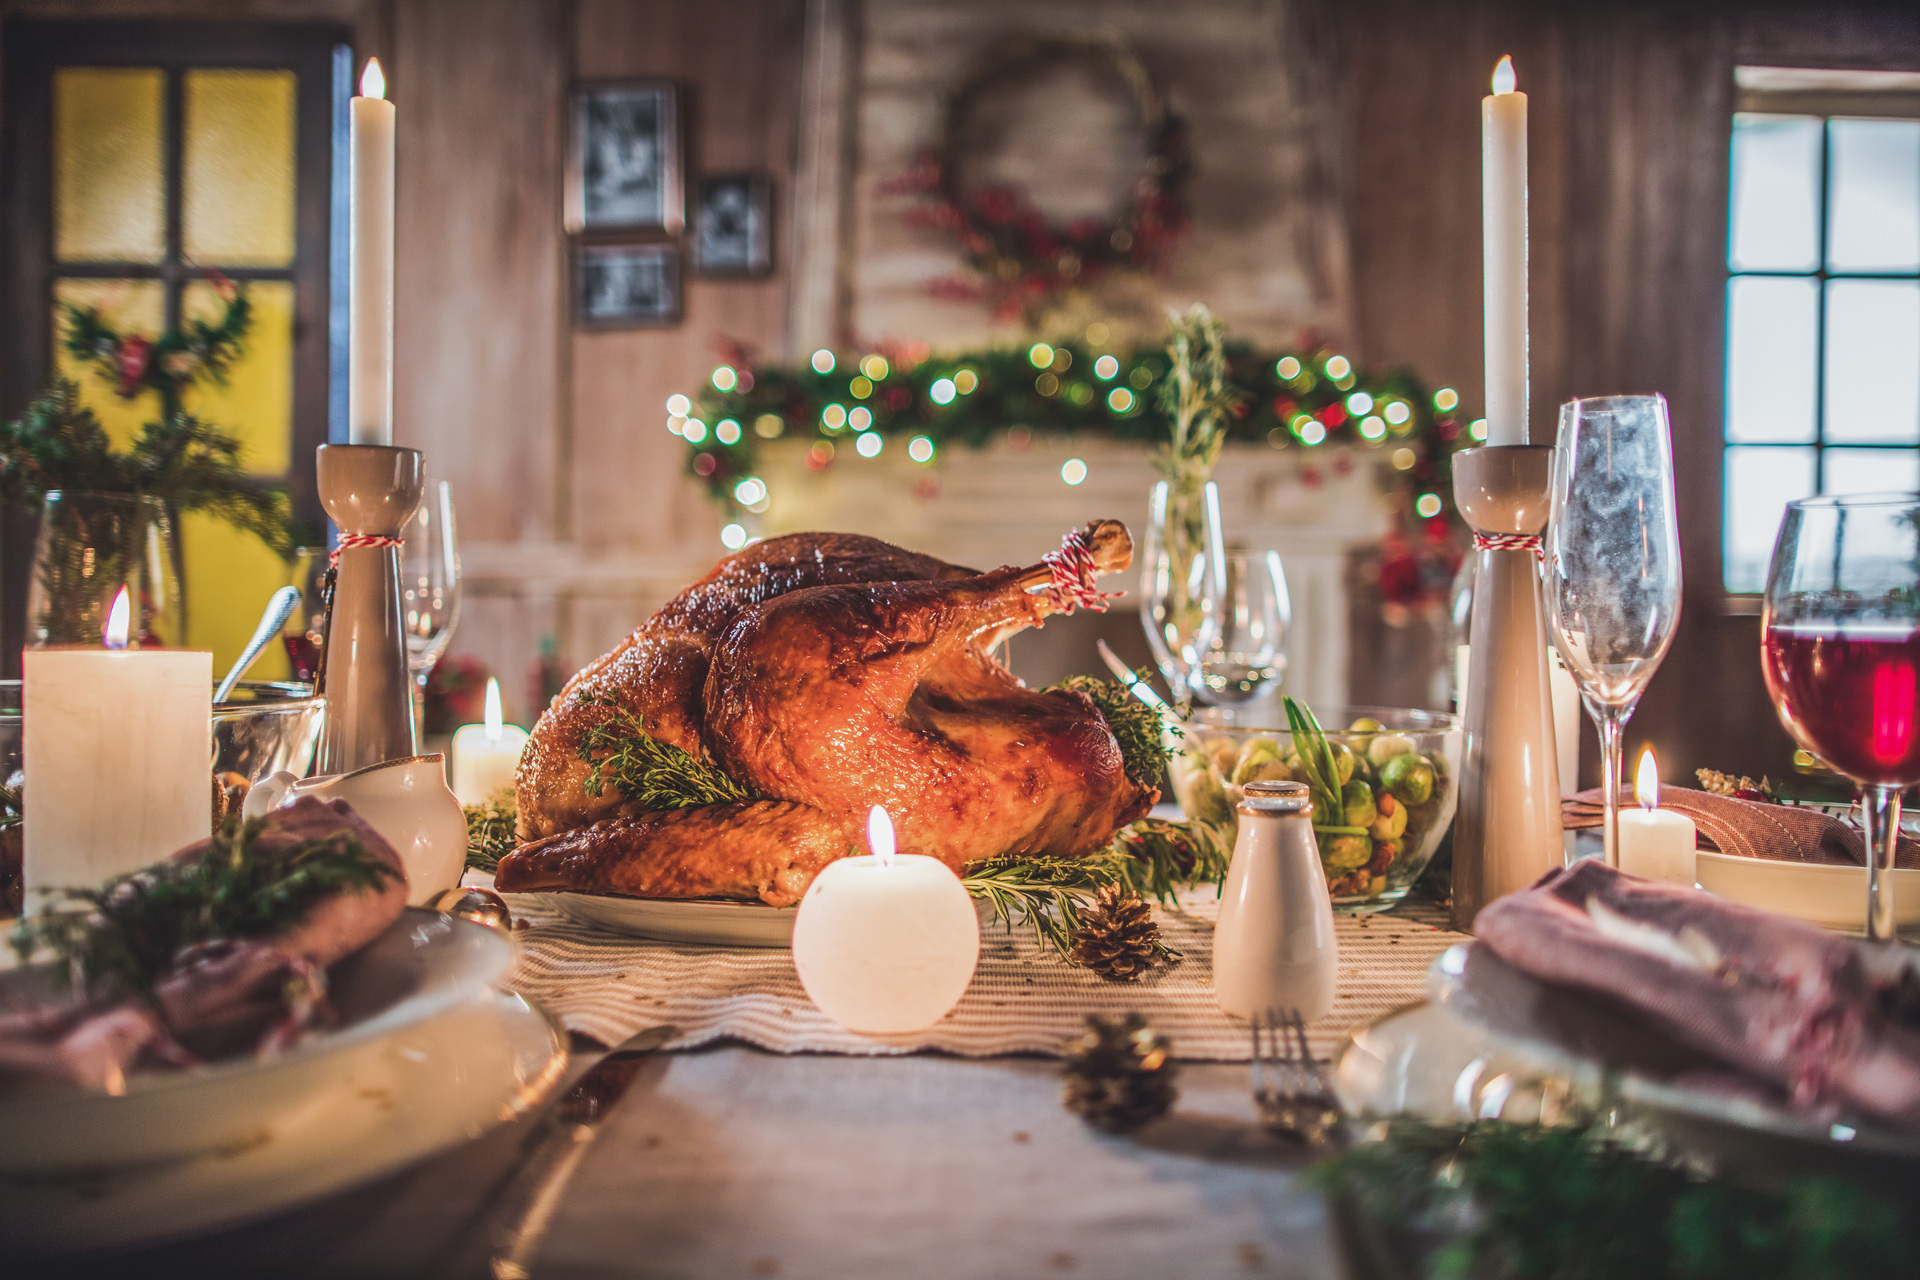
(486, 756)
(1654, 842)
(886, 943)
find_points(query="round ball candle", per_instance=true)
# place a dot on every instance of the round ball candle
(1654, 842)
(117, 745)
(886, 943)
(486, 756)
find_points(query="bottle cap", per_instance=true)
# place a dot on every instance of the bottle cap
(1272, 796)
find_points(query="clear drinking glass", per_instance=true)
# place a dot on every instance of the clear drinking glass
(1840, 648)
(1612, 570)
(430, 581)
(1177, 576)
(90, 547)
(1240, 651)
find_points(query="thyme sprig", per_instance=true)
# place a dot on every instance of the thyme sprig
(643, 768)
(119, 939)
(1134, 725)
(490, 827)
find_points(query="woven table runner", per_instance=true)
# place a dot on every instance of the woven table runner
(1024, 999)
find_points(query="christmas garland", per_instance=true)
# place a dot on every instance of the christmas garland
(1016, 259)
(1314, 402)
(170, 363)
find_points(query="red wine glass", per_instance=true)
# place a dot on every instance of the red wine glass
(1840, 647)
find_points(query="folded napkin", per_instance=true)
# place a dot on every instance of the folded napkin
(1750, 828)
(1770, 997)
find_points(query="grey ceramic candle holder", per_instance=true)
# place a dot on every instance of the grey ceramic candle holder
(371, 491)
(1507, 832)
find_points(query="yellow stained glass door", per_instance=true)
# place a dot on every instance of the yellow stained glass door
(170, 159)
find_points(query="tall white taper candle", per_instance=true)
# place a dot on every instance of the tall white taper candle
(1503, 161)
(370, 344)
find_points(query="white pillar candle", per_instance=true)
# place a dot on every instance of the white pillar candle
(1503, 161)
(118, 751)
(1655, 842)
(370, 340)
(886, 943)
(486, 756)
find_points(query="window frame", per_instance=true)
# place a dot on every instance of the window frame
(1827, 96)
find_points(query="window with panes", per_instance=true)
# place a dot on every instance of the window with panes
(1823, 301)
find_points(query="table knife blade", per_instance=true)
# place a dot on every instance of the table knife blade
(516, 1217)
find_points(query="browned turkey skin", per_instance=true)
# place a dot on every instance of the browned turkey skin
(829, 673)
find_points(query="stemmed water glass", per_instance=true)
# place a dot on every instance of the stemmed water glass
(1612, 564)
(1183, 567)
(1240, 650)
(1840, 648)
(430, 581)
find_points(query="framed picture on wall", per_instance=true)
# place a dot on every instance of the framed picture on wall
(626, 286)
(623, 158)
(733, 225)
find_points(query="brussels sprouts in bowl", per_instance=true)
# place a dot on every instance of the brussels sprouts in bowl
(1398, 772)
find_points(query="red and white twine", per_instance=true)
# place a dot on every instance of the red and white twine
(362, 540)
(1510, 542)
(1073, 573)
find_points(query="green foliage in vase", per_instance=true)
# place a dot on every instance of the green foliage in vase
(1495, 1200)
(642, 768)
(119, 939)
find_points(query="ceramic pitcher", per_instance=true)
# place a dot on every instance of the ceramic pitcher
(405, 800)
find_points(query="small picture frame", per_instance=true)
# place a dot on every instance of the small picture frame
(626, 286)
(733, 225)
(623, 158)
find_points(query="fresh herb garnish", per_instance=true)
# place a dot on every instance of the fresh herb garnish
(119, 939)
(12, 812)
(644, 769)
(1134, 725)
(490, 827)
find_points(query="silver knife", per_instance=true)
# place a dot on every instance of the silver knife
(516, 1216)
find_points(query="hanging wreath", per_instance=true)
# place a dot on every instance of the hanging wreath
(170, 363)
(1017, 260)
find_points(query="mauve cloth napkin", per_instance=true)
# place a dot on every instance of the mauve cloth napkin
(1751, 829)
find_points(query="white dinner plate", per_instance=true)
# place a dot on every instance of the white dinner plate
(1832, 897)
(708, 921)
(1545, 1032)
(424, 964)
(422, 1091)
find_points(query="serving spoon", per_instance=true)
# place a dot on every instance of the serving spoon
(278, 610)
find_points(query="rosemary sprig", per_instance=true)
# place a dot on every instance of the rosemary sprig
(490, 827)
(119, 939)
(1163, 855)
(1044, 893)
(1134, 725)
(644, 769)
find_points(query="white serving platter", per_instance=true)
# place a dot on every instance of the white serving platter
(422, 966)
(422, 1091)
(709, 922)
(1832, 897)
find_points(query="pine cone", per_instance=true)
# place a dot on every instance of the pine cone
(1118, 1075)
(1117, 937)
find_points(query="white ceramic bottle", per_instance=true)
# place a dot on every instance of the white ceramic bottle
(1273, 948)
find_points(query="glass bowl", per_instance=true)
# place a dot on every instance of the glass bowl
(266, 726)
(1406, 764)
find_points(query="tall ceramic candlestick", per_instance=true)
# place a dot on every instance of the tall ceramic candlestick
(1503, 160)
(370, 342)
(117, 743)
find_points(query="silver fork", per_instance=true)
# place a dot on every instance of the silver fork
(1288, 1087)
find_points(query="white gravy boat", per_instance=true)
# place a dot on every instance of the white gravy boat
(405, 800)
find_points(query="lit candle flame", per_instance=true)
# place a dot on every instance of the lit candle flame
(373, 81)
(1646, 783)
(880, 835)
(1503, 77)
(495, 720)
(119, 622)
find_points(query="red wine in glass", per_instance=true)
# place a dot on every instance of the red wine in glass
(1850, 694)
(303, 655)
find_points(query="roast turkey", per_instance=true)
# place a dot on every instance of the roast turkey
(823, 674)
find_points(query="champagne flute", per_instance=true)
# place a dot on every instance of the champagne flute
(430, 582)
(1612, 564)
(1184, 566)
(1240, 651)
(1840, 649)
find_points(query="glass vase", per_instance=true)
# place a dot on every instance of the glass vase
(90, 547)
